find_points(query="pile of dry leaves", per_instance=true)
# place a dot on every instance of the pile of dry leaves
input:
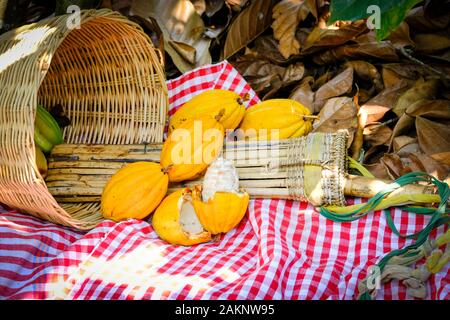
(392, 95)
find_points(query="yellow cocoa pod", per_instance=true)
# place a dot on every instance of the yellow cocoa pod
(176, 222)
(222, 212)
(276, 119)
(134, 191)
(189, 149)
(216, 102)
(41, 161)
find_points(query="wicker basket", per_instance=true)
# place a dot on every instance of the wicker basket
(106, 75)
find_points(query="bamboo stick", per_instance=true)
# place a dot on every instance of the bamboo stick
(269, 192)
(88, 184)
(77, 199)
(76, 177)
(269, 183)
(85, 164)
(259, 170)
(111, 149)
(125, 158)
(65, 191)
(261, 175)
(256, 155)
(84, 171)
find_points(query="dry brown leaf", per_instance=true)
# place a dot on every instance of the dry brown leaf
(322, 79)
(405, 145)
(182, 28)
(373, 112)
(266, 47)
(263, 76)
(304, 94)
(364, 95)
(339, 85)
(430, 121)
(249, 24)
(284, 26)
(431, 109)
(405, 124)
(442, 157)
(376, 108)
(186, 51)
(266, 86)
(390, 78)
(319, 38)
(424, 163)
(302, 34)
(378, 170)
(250, 67)
(376, 134)
(431, 42)
(382, 50)
(434, 137)
(294, 72)
(417, 20)
(267, 78)
(402, 141)
(338, 114)
(394, 166)
(373, 154)
(367, 72)
(395, 72)
(406, 150)
(400, 37)
(422, 89)
(287, 14)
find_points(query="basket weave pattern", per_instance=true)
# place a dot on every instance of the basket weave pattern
(106, 75)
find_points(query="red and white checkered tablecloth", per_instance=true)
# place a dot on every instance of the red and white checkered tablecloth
(281, 250)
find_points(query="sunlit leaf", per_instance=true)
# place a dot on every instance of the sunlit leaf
(340, 84)
(183, 30)
(287, 14)
(338, 114)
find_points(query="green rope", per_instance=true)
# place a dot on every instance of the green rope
(439, 215)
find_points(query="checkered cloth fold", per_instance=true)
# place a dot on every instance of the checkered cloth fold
(281, 250)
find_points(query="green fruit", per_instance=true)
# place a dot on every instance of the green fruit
(48, 126)
(45, 145)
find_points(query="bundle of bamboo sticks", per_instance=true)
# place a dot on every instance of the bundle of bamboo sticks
(311, 168)
(78, 173)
